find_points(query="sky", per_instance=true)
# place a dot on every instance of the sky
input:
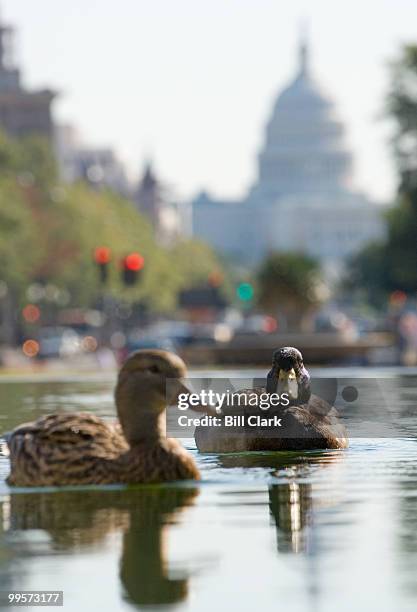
(190, 84)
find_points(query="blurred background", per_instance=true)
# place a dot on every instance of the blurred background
(217, 179)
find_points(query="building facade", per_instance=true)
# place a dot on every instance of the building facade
(302, 199)
(22, 112)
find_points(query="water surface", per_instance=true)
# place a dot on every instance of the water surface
(314, 531)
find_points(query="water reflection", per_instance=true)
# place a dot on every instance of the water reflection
(407, 530)
(79, 519)
(291, 501)
(143, 568)
(308, 529)
(291, 507)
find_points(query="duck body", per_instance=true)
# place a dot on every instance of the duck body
(82, 449)
(308, 422)
(310, 426)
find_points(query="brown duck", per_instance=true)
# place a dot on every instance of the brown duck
(80, 448)
(308, 422)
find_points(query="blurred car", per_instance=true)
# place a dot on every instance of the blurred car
(257, 324)
(58, 342)
(336, 321)
(180, 333)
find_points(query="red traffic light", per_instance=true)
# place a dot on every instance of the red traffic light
(102, 255)
(132, 265)
(134, 262)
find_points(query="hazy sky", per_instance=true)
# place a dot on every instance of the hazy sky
(190, 83)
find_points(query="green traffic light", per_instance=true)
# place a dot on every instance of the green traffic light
(245, 292)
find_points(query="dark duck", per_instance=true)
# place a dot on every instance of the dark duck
(307, 421)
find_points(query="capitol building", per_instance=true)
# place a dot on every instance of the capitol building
(302, 200)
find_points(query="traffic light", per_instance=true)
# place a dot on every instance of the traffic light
(245, 292)
(102, 257)
(132, 264)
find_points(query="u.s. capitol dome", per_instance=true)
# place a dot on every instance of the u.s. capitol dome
(302, 199)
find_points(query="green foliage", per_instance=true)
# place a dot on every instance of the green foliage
(401, 245)
(79, 220)
(287, 277)
(402, 107)
(30, 160)
(389, 265)
(289, 283)
(18, 239)
(392, 264)
(368, 272)
(49, 231)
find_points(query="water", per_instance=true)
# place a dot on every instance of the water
(316, 531)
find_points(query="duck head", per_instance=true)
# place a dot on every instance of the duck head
(288, 375)
(148, 381)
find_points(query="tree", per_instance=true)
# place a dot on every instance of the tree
(17, 236)
(49, 231)
(368, 272)
(392, 263)
(402, 107)
(290, 284)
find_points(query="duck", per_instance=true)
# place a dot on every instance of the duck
(82, 449)
(307, 422)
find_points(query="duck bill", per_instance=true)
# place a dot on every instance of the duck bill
(175, 388)
(287, 384)
(184, 386)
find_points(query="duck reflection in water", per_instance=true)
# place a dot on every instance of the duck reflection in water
(81, 519)
(144, 563)
(291, 502)
(291, 508)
